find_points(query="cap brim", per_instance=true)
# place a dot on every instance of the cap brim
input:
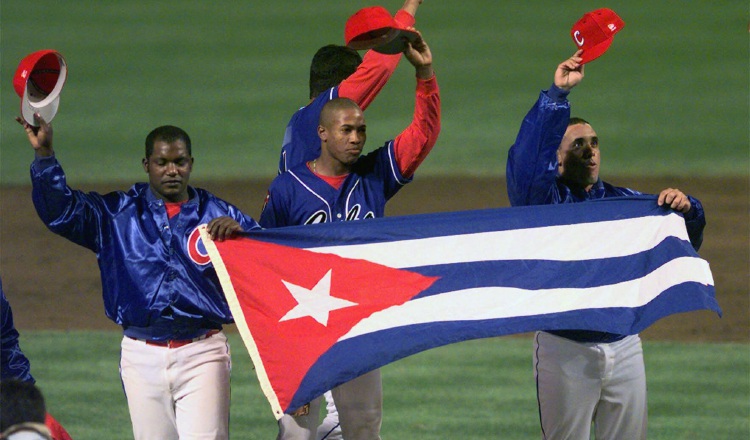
(46, 108)
(398, 43)
(595, 52)
(373, 38)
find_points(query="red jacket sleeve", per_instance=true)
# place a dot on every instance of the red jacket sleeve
(371, 76)
(414, 144)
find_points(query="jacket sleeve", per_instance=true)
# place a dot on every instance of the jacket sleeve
(695, 221)
(72, 214)
(248, 223)
(531, 168)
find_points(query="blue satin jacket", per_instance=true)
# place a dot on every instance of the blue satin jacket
(157, 282)
(13, 363)
(532, 179)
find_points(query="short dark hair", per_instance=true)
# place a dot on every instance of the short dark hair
(168, 134)
(330, 65)
(20, 402)
(333, 106)
(576, 120)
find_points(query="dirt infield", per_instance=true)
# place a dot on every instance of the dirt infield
(54, 284)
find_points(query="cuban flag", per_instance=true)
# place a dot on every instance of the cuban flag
(319, 305)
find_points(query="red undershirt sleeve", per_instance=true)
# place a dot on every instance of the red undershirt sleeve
(413, 144)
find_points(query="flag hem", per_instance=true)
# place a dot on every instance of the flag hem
(239, 318)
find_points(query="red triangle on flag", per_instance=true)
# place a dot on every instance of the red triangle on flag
(283, 296)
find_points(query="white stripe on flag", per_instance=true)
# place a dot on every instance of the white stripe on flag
(558, 243)
(502, 302)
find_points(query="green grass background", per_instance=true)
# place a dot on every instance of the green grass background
(472, 390)
(670, 97)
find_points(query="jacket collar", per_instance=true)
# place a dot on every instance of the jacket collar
(152, 200)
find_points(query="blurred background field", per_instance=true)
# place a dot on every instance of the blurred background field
(670, 97)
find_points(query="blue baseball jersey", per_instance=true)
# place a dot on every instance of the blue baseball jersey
(299, 197)
(301, 141)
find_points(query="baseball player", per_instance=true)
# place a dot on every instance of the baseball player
(338, 72)
(157, 281)
(341, 184)
(582, 376)
(14, 365)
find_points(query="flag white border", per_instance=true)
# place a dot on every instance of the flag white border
(239, 319)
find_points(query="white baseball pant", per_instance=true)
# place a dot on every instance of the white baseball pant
(177, 393)
(580, 383)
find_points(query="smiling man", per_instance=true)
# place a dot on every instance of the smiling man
(156, 282)
(339, 185)
(582, 377)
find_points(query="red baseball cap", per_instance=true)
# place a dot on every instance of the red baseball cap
(38, 81)
(594, 32)
(374, 28)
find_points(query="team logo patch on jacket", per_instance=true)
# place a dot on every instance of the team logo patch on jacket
(196, 249)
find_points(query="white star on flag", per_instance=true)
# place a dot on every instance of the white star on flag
(316, 302)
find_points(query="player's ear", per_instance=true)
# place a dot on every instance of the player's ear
(145, 164)
(322, 133)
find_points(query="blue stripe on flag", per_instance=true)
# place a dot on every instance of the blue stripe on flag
(546, 274)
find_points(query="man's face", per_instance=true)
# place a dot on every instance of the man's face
(579, 156)
(345, 135)
(169, 170)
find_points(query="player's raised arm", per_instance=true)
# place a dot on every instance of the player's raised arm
(411, 7)
(414, 144)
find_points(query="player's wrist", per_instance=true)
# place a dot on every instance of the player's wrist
(425, 72)
(557, 93)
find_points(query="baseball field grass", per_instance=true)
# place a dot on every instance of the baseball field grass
(472, 390)
(670, 96)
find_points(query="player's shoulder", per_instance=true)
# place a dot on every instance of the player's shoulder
(283, 180)
(118, 200)
(619, 191)
(203, 196)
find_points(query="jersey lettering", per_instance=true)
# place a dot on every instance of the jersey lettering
(317, 217)
(353, 213)
(196, 250)
(321, 216)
